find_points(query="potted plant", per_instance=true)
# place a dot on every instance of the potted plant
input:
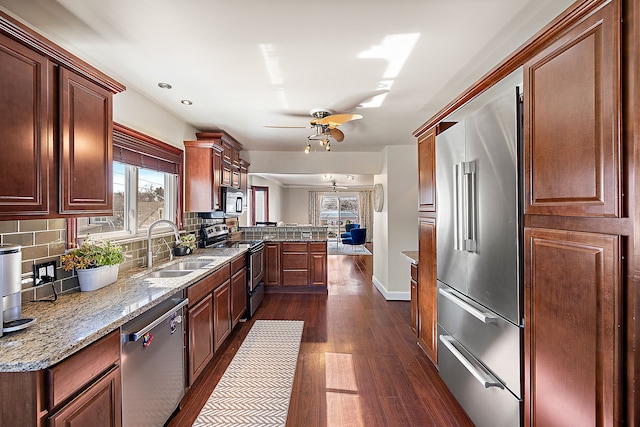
(186, 246)
(96, 263)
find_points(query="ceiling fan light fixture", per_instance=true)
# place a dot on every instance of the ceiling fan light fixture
(307, 149)
(327, 147)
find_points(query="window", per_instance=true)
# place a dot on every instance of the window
(146, 178)
(336, 210)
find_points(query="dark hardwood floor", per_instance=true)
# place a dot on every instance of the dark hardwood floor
(359, 364)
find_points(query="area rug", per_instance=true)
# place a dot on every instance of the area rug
(255, 390)
(346, 250)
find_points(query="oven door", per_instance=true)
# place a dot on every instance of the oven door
(256, 267)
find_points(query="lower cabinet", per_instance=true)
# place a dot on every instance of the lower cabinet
(296, 266)
(200, 321)
(427, 299)
(99, 405)
(414, 298)
(222, 314)
(209, 319)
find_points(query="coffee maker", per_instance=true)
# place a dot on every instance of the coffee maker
(10, 287)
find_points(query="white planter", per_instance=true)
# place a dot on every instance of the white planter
(96, 278)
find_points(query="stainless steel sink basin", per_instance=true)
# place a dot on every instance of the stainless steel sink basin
(190, 265)
(168, 273)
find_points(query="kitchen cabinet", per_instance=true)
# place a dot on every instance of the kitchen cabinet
(83, 389)
(200, 324)
(56, 120)
(318, 264)
(427, 300)
(238, 289)
(414, 298)
(272, 264)
(222, 314)
(295, 264)
(573, 306)
(572, 92)
(230, 156)
(203, 174)
(209, 319)
(427, 171)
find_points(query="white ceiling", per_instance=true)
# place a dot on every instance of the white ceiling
(248, 64)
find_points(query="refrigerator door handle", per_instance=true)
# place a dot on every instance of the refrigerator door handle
(458, 186)
(485, 378)
(480, 315)
(470, 242)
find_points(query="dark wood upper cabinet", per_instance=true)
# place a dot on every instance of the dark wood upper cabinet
(25, 131)
(572, 109)
(86, 149)
(203, 173)
(572, 329)
(427, 171)
(55, 129)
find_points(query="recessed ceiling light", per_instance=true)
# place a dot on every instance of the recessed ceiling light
(186, 102)
(164, 85)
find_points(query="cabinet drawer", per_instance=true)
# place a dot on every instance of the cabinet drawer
(208, 284)
(295, 278)
(237, 264)
(318, 247)
(294, 247)
(414, 272)
(295, 261)
(70, 375)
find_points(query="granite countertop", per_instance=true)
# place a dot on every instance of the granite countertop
(78, 319)
(412, 256)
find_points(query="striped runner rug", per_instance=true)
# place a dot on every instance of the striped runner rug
(255, 390)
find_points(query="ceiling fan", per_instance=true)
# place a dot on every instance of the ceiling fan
(335, 187)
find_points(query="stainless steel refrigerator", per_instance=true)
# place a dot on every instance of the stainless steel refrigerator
(478, 259)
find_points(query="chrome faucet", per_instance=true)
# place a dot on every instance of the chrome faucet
(149, 250)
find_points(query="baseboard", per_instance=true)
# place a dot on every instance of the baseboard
(390, 296)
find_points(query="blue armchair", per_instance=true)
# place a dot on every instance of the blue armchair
(358, 237)
(347, 229)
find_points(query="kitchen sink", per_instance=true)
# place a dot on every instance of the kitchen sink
(190, 265)
(168, 273)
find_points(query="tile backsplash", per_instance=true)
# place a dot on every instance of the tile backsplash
(45, 240)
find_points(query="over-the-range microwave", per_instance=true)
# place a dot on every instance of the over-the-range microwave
(232, 201)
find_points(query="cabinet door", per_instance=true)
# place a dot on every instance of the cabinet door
(86, 146)
(238, 295)
(235, 179)
(427, 288)
(217, 179)
(25, 131)
(221, 314)
(100, 405)
(572, 113)
(427, 171)
(318, 269)
(272, 264)
(572, 336)
(414, 299)
(226, 175)
(200, 318)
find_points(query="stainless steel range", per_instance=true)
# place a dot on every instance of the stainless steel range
(215, 236)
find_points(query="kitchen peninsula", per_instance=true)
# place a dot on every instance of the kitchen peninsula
(295, 258)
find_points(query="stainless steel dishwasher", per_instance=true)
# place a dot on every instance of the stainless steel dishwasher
(153, 364)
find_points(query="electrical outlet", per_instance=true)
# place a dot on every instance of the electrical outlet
(44, 273)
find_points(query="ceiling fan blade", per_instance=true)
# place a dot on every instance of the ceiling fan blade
(336, 120)
(337, 134)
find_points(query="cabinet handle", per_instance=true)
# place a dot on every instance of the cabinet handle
(485, 378)
(484, 317)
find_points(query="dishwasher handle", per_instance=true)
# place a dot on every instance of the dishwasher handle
(135, 336)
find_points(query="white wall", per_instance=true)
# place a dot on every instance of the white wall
(367, 163)
(396, 227)
(132, 109)
(295, 206)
